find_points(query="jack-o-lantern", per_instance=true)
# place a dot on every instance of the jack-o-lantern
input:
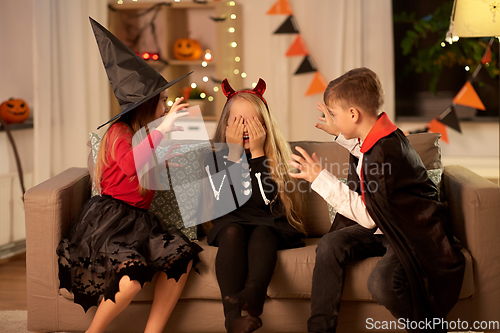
(187, 49)
(14, 110)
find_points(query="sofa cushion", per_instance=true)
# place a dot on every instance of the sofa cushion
(292, 276)
(427, 147)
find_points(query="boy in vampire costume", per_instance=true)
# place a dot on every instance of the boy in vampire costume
(389, 208)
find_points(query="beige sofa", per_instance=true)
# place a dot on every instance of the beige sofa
(474, 205)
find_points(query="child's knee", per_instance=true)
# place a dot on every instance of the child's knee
(330, 245)
(381, 288)
(129, 286)
(231, 235)
(232, 231)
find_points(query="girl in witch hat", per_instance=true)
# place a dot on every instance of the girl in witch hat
(115, 245)
(270, 217)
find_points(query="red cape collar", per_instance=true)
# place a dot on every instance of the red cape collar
(382, 128)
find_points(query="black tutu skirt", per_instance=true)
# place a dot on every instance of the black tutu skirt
(110, 239)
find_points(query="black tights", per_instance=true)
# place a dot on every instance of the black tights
(245, 252)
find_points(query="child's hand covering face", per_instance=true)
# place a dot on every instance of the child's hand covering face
(234, 131)
(257, 136)
(309, 167)
(234, 137)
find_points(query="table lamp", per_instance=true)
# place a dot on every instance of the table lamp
(472, 18)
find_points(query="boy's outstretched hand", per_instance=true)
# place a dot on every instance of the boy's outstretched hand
(329, 125)
(309, 167)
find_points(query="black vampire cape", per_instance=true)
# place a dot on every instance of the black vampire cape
(403, 203)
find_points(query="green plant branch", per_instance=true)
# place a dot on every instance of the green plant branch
(440, 54)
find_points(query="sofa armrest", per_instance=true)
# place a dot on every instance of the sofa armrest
(474, 205)
(49, 208)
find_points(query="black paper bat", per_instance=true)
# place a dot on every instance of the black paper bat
(215, 80)
(218, 19)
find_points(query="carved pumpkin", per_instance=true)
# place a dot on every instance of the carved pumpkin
(14, 110)
(187, 49)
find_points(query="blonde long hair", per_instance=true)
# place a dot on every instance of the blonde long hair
(277, 152)
(134, 121)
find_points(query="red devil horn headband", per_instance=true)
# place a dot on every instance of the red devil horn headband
(258, 90)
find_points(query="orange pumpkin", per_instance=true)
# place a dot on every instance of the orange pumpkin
(14, 110)
(187, 49)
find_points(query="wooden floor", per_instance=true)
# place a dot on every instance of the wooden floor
(13, 283)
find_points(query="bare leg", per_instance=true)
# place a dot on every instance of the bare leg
(108, 309)
(167, 292)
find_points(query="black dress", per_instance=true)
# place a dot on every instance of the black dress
(251, 200)
(110, 239)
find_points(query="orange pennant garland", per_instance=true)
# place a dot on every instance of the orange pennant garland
(318, 85)
(436, 126)
(487, 56)
(297, 48)
(280, 7)
(467, 96)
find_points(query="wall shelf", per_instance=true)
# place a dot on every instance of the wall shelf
(13, 127)
(209, 23)
(176, 62)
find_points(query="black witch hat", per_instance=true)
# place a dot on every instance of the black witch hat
(132, 79)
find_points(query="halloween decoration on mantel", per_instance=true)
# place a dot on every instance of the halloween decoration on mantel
(187, 49)
(14, 111)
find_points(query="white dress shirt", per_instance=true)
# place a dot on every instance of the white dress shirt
(345, 201)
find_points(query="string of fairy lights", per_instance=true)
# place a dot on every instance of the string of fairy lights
(204, 94)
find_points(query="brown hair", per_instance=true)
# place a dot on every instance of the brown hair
(359, 87)
(134, 121)
(277, 152)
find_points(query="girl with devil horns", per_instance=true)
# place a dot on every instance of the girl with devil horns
(268, 217)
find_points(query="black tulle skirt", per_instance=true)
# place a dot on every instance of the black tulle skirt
(110, 239)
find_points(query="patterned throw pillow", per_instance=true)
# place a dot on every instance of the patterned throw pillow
(435, 175)
(95, 141)
(164, 203)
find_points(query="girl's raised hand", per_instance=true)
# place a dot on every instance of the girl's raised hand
(256, 136)
(234, 138)
(329, 125)
(171, 155)
(178, 106)
(309, 167)
(167, 125)
(234, 131)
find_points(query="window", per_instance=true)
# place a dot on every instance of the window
(414, 99)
